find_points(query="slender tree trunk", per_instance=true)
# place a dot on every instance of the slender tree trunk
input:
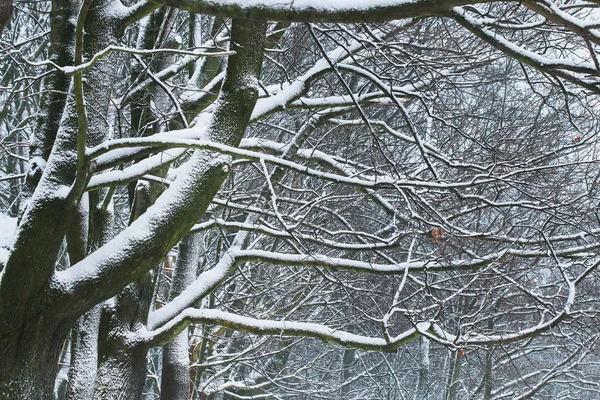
(348, 356)
(488, 379)
(454, 376)
(56, 85)
(423, 377)
(84, 358)
(175, 383)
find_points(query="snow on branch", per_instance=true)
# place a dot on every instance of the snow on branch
(562, 67)
(71, 70)
(320, 11)
(164, 142)
(189, 316)
(209, 280)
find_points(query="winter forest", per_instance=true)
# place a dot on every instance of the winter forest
(299, 199)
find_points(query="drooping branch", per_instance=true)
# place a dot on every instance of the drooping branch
(563, 68)
(209, 280)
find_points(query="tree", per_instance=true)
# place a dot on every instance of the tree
(366, 175)
(5, 13)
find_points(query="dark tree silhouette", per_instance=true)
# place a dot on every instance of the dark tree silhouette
(6, 7)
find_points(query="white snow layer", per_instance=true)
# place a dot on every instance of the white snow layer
(8, 227)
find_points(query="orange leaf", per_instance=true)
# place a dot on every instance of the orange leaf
(437, 234)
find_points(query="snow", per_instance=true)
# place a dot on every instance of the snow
(289, 328)
(116, 9)
(370, 182)
(300, 86)
(211, 278)
(542, 61)
(194, 292)
(312, 5)
(135, 170)
(8, 227)
(104, 262)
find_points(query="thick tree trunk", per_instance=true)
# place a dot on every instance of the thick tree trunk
(121, 374)
(33, 323)
(28, 362)
(122, 368)
(123, 361)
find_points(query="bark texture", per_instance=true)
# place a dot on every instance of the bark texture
(6, 7)
(175, 383)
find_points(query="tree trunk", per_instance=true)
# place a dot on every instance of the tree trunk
(422, 378)
(348, 360)
(28, 361)
(454, 376)
(36, 313)
(488, 379)
(121, 374)
(123, 361)
(175, 383)
(84, 358)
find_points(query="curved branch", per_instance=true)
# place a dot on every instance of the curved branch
(189, 316)
(325, 11)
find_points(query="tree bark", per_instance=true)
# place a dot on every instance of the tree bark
(175, 383)
(84, 358)
(423, 376)
(84, 351)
